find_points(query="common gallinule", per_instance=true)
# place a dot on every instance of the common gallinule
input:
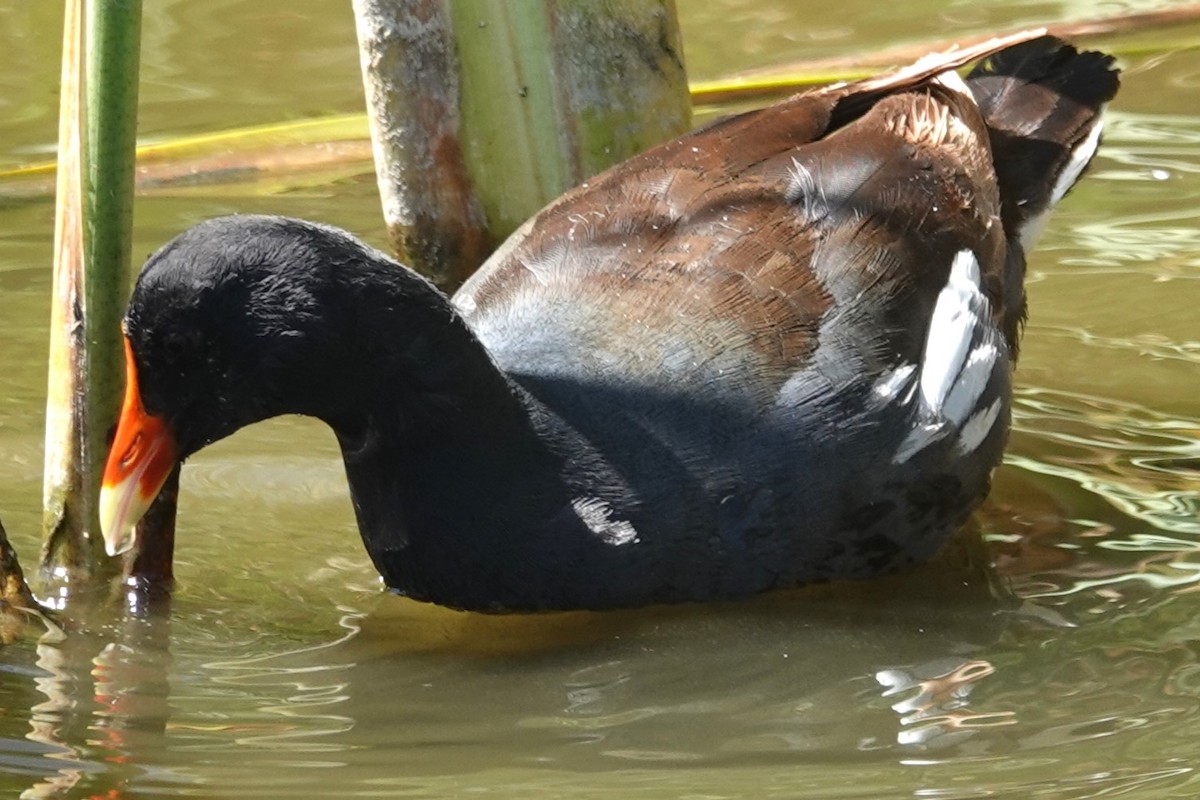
(776, 350)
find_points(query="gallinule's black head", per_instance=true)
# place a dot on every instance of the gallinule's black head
(244, 318)
(225, 321)
(776, 350)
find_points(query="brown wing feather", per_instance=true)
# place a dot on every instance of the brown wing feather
(758, 225)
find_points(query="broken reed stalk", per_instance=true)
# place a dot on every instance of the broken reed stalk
(482, 112)
(93, 230)
(67, 507)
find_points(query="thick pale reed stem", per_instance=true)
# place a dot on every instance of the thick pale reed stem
(483, 112)
(66, 506)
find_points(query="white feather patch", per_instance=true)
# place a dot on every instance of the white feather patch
(893, 383)
(806, 192)
(954, 82)
(951, 328)
(1081, 156)
(962, 350)
(977, 428)
(970, 383)
(597, 515)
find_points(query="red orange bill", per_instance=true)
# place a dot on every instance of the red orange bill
(142, 456)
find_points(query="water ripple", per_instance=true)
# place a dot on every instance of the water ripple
(1139, 461)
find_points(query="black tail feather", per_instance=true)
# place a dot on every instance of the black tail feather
(1042, 101)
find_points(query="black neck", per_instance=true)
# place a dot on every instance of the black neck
(442, 457)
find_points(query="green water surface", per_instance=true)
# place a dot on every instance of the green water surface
(1060, 658)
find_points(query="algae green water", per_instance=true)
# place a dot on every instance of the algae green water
(1054, 653)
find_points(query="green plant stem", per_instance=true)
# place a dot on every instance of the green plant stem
(97, 139)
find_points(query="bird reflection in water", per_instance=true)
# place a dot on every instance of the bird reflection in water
(937, 714)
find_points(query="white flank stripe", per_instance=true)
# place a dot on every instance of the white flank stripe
(950, 330)
(971, 382)
(977, 428)
(961, 353)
